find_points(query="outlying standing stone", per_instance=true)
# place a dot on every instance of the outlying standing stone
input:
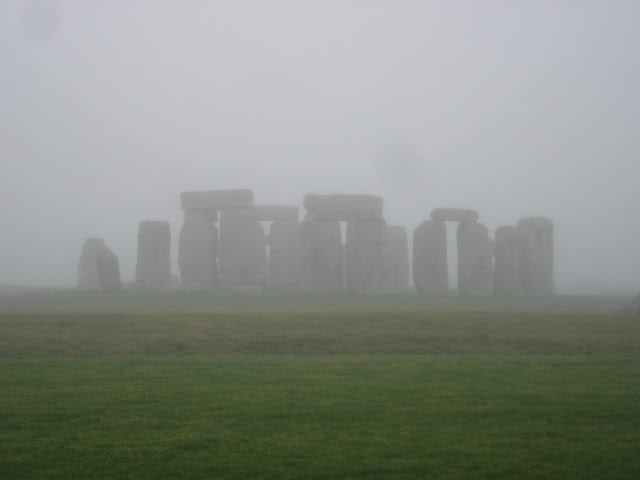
(108, 271)
(87, 266)
(98, 269)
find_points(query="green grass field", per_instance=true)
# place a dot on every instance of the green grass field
(427, 390)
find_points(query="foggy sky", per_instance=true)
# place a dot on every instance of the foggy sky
(108, 109)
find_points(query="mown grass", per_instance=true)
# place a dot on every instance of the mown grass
(315, 394)
(331, 416)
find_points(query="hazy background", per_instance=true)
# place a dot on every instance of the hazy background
(108, 109)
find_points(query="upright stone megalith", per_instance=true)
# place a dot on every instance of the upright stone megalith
(400, 257)
(475, 269)
(108, 271)
(508, 251)
(153, 268)
(320, 257)
(198, 250)
(430, 271)
(284, 256)
(369, 258)
(88, 266)
(536, 267)
(98, 269)
(237, 247)
(228, 259)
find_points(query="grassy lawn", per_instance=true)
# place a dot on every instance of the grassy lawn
(331, 416)
(310, 393)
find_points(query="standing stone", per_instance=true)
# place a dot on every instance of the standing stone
(320, 257)
(108, 269)
(284, 256)
(88, 266)
(507, 281)
(198, 250)
(369, 259)
(475, 270)
(536, 266)
(430, 271)
(237, 247)
(153, 268)
(259, 257)
(400, 256)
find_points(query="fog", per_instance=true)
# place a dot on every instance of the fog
(109, 109)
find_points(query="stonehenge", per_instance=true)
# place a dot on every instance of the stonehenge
(153, 267)
(400, 257)
(475, 268)
(98, 268)
(430, 271)
(321, 257)
(198, 250)
(284, 256)
(369, 257)
(454, 215)
(536, 268)
(342, 245)
(507, 282)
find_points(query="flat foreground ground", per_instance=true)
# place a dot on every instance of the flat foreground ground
(320, 394)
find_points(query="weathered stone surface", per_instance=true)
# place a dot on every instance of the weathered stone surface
(314, 201)
(260, 259)
(343, 214)
(430, 273)
(108, 269)
(216, 199)
(284, 257)
(454, 215)
(153, 268)
(198, 251)
(632, 308)
(475, 270)
(400, 256)
(236, 247)
(507, 282)
(536, 261)
(320, 257)
(369, 259)
(87, 266)
(276, 213)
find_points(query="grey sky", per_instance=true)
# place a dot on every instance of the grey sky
(108, 109)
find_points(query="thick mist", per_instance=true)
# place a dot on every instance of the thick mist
(109, 109)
